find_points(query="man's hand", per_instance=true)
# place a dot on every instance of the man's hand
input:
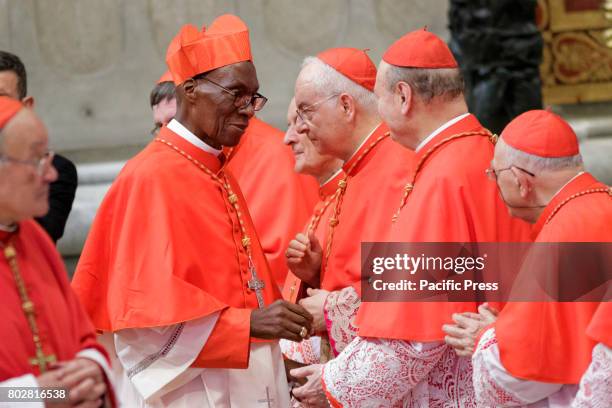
(281, 320)
(82, 378)
(304, 256)
(310, 394)
(314, 304)
(467, 328)
(85, 380)
(52, 379)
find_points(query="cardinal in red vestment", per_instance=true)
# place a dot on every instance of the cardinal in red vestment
(536, 352)
(172, 271)
(47, 338)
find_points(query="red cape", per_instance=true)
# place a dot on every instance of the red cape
(64, 327)
(547, 341)
(165, 246)
(369, 201)
(279, 200)
(452, 201)
(600, 328)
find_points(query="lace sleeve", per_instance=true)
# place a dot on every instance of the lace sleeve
(340, 310)
(496, 387)
(378, 372)
(596, 384)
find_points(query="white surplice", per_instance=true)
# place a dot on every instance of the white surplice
(153, 369)
(596, 384)
(373, 372)
(153, 365)
(495, 386)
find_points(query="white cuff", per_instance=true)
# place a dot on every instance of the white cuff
(27, 380)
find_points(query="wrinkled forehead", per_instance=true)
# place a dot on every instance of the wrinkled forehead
(25, 133)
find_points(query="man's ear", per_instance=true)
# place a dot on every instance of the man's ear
(404, 93)
(28, 102)
(524, 181)
(189, 89)
(347, 104)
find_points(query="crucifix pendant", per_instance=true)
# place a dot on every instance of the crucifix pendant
(42, 361)
(256, 284)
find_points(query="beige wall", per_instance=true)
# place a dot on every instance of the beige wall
(92, 63)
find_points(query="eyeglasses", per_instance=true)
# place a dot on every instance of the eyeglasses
(41, 165)
(492, 173)
(242, 101)
(306, 113)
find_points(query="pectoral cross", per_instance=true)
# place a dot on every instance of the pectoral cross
(41, 360)
(268, 400)
(256, 284)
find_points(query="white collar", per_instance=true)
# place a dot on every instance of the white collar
(330, 178)
(8, 228)
(440, 129)
(178, 128)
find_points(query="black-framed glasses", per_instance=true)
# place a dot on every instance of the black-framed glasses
(306, 113)
(242, 101)
(41, 165)
(492, 173)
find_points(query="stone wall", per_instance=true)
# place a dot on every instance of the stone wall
(92, 63)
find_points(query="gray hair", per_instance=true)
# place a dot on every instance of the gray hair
(445, 83)
(329, 81)
(538, 164)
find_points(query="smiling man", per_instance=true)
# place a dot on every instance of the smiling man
(327, 170)
(172, 270)
(337, 111)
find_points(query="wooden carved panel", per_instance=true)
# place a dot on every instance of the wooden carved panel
(577, 61)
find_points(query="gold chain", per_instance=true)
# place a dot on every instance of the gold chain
(41, 360)
(316, 217)
(410, 185)
(232, 198)
(580, 194)
(339, 196)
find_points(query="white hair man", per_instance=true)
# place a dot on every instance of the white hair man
(538, 170)
(337, 110)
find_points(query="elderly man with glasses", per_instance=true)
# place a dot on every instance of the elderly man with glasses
(337, 111)
(173, 272)
(48, 340)
(540, 176)
(260, 159)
